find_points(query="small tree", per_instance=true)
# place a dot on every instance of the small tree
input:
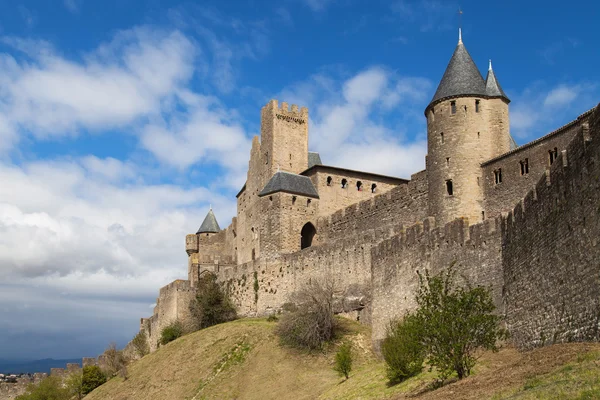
(456, 321)
(92, 378)
(171, 332)
(343, 360)
(74, 385)
(140, 344)
(212, 305)
(402, 349)
(312, 324)
(49, 388)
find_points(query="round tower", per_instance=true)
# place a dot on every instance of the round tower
(467, 124)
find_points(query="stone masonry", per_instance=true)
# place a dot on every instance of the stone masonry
(522, 220)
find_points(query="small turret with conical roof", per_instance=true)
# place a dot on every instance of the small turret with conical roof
(467, 124)
(210, 224)
(492, 87)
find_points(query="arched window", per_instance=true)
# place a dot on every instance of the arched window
(329, 179)
(373, 188)
(359, 186)
(307, 234)
(344, 183)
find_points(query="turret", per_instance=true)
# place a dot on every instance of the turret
(209, 225)
(467, 124)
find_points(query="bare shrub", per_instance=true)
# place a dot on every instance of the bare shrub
(312, 324)
(140, 344)
(114, 361)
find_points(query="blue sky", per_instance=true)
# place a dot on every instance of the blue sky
(121, 121)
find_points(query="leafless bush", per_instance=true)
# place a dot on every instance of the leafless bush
(114, 361)
(312, 324)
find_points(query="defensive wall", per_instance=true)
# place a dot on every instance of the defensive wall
(522, 167)
(540, 260)
(551, 257)
(172, 304)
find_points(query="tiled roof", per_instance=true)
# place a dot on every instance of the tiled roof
(290, 183)
(210, 224)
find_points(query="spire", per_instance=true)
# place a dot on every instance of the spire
(492, 87)
(461, 78)
(210, 224)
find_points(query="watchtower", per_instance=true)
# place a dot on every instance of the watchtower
(467, 124)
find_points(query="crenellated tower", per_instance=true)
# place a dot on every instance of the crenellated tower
(467, 124)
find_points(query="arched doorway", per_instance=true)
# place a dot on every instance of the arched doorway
(306, 235)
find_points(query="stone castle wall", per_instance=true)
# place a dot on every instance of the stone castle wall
(401, 205)
(503, 196)
(172, 304)
(552, 250)
(334, 197)
(475, 249)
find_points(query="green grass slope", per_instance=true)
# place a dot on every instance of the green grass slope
(243, 360)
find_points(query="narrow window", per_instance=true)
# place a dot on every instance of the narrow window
(478, 135)
(476, 105)
(498, 176)
(308, 202)
(267, 157)
(449, 187)
(477, 181)
(483, 215)
(553, 155)
(442, 137)
(373, 188)
(293, 199)
(329, 181)
(453, 105)
(524, 166)
(448, 161)
(344, 183)
(253, 254)
(359, 186)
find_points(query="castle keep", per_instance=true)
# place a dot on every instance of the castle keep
(521, 219)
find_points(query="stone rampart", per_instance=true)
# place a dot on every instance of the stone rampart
(552, 251)
(475, 249)
(521, 168)
(402, 205)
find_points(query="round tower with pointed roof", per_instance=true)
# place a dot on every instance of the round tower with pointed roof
(467, 124)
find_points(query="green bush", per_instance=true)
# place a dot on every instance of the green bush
(456, 322)
(140, 344)
(171, 332)
(343, 360)
(212, 305)
(92, 378)
(313, 323)
(49, 388)
(402, 349)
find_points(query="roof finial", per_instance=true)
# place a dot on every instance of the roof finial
(459, 25)
(210, 206)
(278, 168)
(490, 67)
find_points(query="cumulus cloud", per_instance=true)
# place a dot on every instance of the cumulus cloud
(355, 124)
(540, 108)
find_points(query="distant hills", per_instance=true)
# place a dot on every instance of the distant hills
(24, 367)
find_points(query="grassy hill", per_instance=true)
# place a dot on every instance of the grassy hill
(243, 360)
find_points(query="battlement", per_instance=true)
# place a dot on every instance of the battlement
(284, 112)
(175, 286)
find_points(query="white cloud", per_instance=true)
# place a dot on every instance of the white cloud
(73, 5)
(356, 125)
(539, 109)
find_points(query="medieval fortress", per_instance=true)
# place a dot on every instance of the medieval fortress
(524, 220)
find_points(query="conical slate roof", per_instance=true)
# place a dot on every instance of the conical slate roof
(210, 224)
(290, 183)
(492, 87)
(461, 77)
